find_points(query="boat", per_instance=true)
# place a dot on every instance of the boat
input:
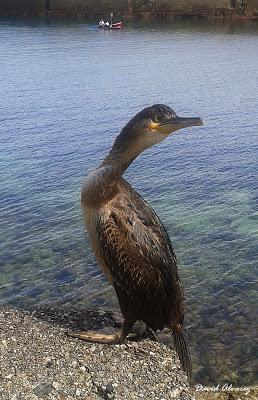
(117, 25)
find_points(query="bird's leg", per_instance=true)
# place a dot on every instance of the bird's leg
(96, 337)
(117, 318)
(140, 328)
(151, 334)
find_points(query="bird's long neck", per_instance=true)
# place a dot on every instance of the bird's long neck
(102, 184)
(117, 161)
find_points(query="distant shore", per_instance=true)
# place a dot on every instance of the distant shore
(218, 14)
(39, 361)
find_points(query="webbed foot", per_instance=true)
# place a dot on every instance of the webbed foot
(96, 337)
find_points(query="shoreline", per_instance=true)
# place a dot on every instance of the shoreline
(211, 15)
(39, 361)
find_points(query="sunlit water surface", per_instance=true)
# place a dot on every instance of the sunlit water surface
(66, 91)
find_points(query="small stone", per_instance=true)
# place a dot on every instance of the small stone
(43, 390)
(78, 392)
(48, 362)
(109, 388)
(83, 368)
(16, 397)
(56, 385)
(175, 393)
(8, 385)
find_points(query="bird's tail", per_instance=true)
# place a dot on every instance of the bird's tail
(182, 350)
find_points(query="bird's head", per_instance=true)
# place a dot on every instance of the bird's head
(152, 125)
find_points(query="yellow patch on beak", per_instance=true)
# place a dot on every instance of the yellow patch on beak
(154, 125)
(166, 129)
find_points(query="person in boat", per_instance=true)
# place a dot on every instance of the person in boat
(101, 22)
(107, 24)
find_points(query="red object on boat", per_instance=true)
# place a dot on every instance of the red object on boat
(118, 25)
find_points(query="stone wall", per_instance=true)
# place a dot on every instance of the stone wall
(252, 5)
(99, 6)
(189, 6)
(122, 6)
(28, 5)
(89, 6)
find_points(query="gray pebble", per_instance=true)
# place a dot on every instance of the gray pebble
(43, 390)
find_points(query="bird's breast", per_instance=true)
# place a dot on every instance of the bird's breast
(98, 189)
(92, 216)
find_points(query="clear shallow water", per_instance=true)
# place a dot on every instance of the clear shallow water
(66, 91)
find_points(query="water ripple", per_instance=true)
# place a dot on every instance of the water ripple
(66, 91)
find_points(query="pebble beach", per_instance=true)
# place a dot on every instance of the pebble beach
(39, 361)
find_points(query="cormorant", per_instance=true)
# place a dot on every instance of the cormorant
(128, 238)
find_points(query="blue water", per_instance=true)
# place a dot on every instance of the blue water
(66, 91)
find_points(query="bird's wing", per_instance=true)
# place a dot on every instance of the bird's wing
(140, 259)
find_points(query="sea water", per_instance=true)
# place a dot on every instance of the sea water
(66, 90)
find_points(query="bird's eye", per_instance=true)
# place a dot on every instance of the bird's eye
(163, 118)
(158, 118)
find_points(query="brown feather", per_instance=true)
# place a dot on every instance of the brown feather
(137, 255)
(127, 237)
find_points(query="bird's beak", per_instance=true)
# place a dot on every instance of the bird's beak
(173, 124)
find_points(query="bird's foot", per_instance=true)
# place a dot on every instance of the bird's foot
(96, 337)
(133, 331)
(139, 329)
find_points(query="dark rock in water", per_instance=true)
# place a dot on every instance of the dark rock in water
(43, 390)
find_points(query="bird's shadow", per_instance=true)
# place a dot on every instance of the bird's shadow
(76, 319)
(92, 319)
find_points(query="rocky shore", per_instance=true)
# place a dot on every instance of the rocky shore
(39, 361)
